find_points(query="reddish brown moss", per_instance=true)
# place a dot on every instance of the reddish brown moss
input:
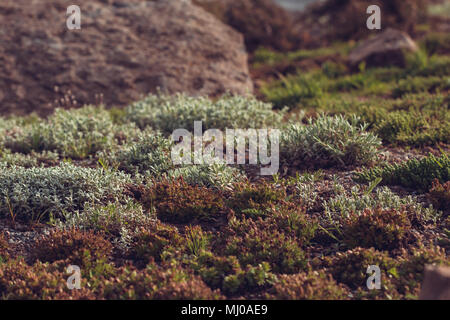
(401, 276)
(291, 218)
(312, 285)
(155, 282)
(20, 281)
(73, 246)
(151, 242)
(254, 242)
(412, 265)
(439, 195)
(214, 269)
(286, 217)
(381, 229)
(178, 202)
(253, 199)
(227, 274)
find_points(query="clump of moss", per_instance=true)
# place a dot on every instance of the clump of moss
(439, 194)
(19, 280)
(287, 217)
(350, 267)
(382, 229)
(40, 281)
(420, 84)
(214, 269)
(150, 243)
(312, 285)
(291, 219)
(294, 90)
(168, 282)
(254, 242)
(397, 124)
(414, 120)
(73, 246)
(178, 202)
(4, 248)
(227, 274)
(254, 199)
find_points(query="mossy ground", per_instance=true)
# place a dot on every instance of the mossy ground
(309, 232)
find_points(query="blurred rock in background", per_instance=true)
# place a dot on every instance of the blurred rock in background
(436, 284)
(262, 22)
(124, 49)
(344, 20)
(265, 23)
(387, 48)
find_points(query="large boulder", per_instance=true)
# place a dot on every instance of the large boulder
(346, 19)
(125, 49)
(436, 284)
(387, 48)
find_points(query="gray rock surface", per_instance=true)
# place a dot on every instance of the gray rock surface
(387, 48)
(125, 49)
